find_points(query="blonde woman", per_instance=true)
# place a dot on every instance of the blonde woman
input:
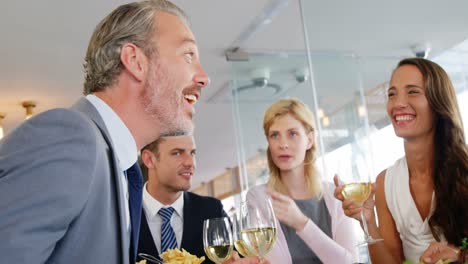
(312, 227)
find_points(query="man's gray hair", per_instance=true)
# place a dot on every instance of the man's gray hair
(129, 23)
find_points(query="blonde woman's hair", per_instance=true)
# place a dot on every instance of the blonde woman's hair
(301, 113)
(129, 23)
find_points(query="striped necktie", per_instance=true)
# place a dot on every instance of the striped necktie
(168, 238)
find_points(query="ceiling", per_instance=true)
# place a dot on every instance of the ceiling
(44, 42)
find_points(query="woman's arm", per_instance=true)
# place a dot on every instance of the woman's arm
(326, 249)
(390, 250)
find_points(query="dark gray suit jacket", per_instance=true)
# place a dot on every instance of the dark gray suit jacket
(60, 198)
(196, 209)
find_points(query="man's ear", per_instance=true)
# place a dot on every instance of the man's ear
(134, 60)
(148, 158)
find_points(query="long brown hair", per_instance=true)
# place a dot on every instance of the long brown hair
(302, 113)
(450, 172)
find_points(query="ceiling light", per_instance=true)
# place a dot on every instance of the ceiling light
(325, 121)
(320, 113)
(421, 50)
(2, 116)
(361, 111)
(301, 75)
(29, 105)
(260, 84)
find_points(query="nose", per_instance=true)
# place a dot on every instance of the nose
(189, 162)
(283, 144)
(201, 78)
(401, 101)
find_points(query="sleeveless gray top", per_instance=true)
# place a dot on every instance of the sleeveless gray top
(318, 213)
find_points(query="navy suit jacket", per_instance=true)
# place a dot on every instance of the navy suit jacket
(196, 209)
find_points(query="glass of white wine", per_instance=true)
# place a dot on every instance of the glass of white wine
(358, 187)
(217, 239)
(236, 233)
(258, 226)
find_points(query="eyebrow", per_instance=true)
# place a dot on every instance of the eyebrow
(183, 149)
(408, 86)
(187, 40)
(290, 129)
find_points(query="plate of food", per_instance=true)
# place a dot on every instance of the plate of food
(174, 256)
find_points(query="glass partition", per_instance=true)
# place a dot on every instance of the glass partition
(345, 92)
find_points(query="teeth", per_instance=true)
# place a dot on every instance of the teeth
(192, 99)
(404, 118)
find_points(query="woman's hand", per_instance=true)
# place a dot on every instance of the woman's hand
(438, 251)
(287, 211)
(351, 208)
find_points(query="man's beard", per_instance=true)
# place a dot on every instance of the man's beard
(162, 104)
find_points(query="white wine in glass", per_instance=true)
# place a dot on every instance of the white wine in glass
(219, 253)
(242, 248)
(358, 187)
(217, 239)
(260, 240)
(258, 226)
(359, 192)
(239, 244)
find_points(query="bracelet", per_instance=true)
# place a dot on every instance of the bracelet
(462, 257)
(463, 251)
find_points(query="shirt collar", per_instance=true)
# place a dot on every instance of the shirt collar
(124, 144)
(152, 206)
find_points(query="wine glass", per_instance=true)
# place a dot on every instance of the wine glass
(236, 233)
(358, 187)
(258, 226)
(217, 239)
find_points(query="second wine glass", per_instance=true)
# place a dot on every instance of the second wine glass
(358, 187)
(258, 226)
(237, 235)
(217, 239)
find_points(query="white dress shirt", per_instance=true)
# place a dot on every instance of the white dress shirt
(152, 207)
(124, 144)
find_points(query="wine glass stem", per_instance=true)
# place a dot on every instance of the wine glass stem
(364, 223)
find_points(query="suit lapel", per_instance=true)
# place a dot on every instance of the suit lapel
(194, 215)
(85, 107)
(146, 241)
(190, 214)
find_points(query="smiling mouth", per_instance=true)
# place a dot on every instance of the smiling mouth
(186, 174)
(402, 118)
(191, 98)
